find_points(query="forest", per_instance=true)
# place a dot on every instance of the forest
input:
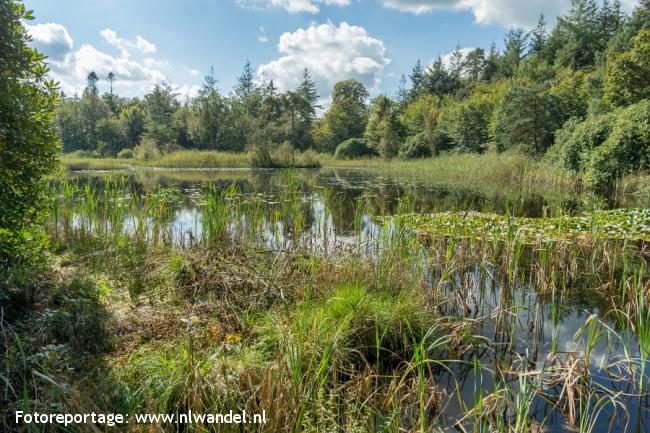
(576, 95)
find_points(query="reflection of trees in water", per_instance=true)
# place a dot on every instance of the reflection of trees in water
(343, 191)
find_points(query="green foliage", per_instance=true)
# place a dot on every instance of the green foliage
(125, 154)
(466, 122)
(28, 140)
(605, 147)
(416, 146)
(526, 120)
(354, 148)
(626, 148)
(345, 119)
(147, 150)
(384, 130)
(626, 74)
(576, 140)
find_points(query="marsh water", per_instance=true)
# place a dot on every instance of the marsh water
(342, 210)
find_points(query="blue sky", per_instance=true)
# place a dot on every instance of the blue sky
(375, 41)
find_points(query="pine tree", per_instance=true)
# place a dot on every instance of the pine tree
(438, 81)
(456, 62)
(474, 63)
(515, 42)
(538, 36)
(308, 92)
(402, 91)
(245, 87)
(417, 80)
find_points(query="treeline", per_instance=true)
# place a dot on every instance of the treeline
(576, 94)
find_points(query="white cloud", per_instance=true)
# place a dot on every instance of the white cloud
(186, 91)
(262, 36)
(331, 54)
(124, 45)
(446, 59)
(70, 67)
(53, 40)
(88, 59)
(293, 6)
(509, 13)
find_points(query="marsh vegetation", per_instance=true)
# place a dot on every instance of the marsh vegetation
(347, 300)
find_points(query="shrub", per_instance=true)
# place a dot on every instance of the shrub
(625, 149)
(260, 157)
(576, 140)
(354, 148)
(147, 150)
(125, 154)
(416, 146)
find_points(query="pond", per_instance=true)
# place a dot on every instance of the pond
(522, 324)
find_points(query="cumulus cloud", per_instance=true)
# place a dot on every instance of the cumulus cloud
(125, 46)
(186, 91)
(71, 66)
(446, 59)
(293, 6)
(331, 53)
(52, 39)
(509, 13)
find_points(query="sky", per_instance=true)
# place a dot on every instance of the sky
(374, 41)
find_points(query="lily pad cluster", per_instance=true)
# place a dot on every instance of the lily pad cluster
(631, 224)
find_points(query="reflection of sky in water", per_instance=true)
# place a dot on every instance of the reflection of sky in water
(329, 205)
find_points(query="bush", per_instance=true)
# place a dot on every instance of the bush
(125, 154)
(354, 148)
(147, 150)
(576, 140)
(416, 146)
(626, 148)
(260, 157)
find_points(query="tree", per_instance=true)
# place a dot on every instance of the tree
(610, 17)
(417, 80)
(91, 83)
(346, 118)
(538, 37)
(515, 43)
(305, 102)
(28, 142)
(402, 92)
(474, 63)
(626, 74)
(381, 108)
(209, 110)
(111, 79)
(578, 37)
(93, 109)
(132, 120)
(456, 61)
(160, 104)
(438, 81)
(527, 119)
